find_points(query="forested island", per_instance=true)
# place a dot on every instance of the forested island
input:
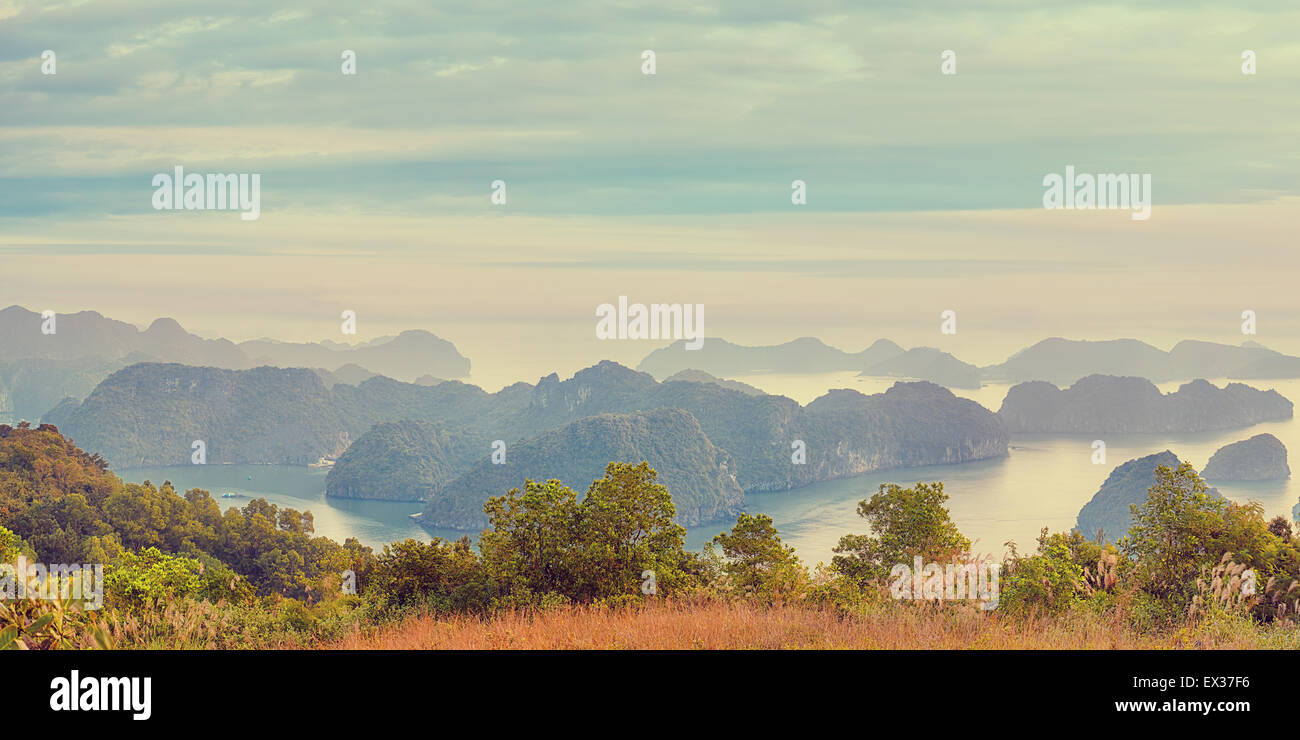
(289, 416)
(1125, 405)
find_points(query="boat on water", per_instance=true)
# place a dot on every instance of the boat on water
(233, 495)
(324, 462)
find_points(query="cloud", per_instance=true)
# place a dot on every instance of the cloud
(846, 96)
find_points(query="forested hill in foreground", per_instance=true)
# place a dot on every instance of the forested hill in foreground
(66, 506)
(554, 565)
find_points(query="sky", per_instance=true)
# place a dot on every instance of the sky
(924, 190)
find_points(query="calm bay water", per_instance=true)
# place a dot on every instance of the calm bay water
(1042, 482)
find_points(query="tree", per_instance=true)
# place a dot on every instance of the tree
(445, 576)
(1066, 568)
(150, 576)
(543, 541)
(528, 545)
(905, 523)
(626, 529)
(1182, 532)
(1173, 534)
(11, 546)
(1280, 528)
(756, 562)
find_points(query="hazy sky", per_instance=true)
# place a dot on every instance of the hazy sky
(924, 190)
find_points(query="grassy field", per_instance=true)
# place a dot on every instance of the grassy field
(738, 625)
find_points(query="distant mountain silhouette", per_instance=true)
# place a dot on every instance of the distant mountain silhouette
(30, 388)
(1063, 361)
(407, 356)
(1104, 403)
(928, 363)
(88, 334)
(1056, 360)
(39, 370)
(721, 358)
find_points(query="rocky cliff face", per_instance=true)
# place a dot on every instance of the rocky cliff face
(910, 425)
(403, 461)
(1110, 404)
(698, 474)
(1262, 457)
(150, 414)
(844, 433)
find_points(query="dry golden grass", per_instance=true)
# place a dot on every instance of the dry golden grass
(721, 626)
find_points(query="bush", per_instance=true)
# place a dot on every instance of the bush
(905, 523)
(756, 564)
(439, 576)
(142, 579)
(1182, 532)
(542, 540)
